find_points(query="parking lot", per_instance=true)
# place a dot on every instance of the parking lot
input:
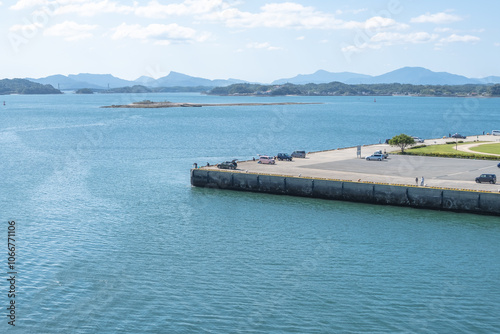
(413, 166)
(344, 164)
(404, 169)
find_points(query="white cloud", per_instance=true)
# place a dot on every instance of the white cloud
(496, 44)
(391, 38)
(70, 31)
(276, 15)
(439, 29)
(23, 4)
(301, 38)
(374, 23)
(189, 7)
(350, 11)
(360, 48)
(264, 45)
(460, 38)
(154, 9)
(295, 16)
(81, 7)
(357, 11)
(26, 28)
(382, 39)
(438, 18)
(92, 8)
(162, 34)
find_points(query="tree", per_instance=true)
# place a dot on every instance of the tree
(402, 141)
(495, 90)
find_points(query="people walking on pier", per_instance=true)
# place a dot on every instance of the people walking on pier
(416, 180)
(422, 181)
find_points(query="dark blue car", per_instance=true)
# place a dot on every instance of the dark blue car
(498, 165)
(284, 156)
(458, 135)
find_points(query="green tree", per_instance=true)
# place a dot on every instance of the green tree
(402, 141)
(495, 90)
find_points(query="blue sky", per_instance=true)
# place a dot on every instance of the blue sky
(250, 40)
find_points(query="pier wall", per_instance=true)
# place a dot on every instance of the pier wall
(400, 195)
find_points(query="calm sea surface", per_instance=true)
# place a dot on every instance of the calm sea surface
(111, 237)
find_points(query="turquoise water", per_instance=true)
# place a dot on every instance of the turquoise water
(110, 236)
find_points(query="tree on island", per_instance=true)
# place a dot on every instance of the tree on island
(495, 90)
(23, 86)
(402, 141)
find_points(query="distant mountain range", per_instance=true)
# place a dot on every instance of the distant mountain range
(405, 75)
(107, 81)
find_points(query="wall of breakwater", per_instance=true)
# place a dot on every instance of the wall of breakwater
(365, 192)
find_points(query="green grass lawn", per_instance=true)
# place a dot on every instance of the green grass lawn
(445, 148)
(488, 148)
(448, 150)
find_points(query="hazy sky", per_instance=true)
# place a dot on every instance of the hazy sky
(250, 40)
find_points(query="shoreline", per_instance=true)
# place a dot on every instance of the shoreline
(359, 95)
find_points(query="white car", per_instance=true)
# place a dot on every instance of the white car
(375, 156)
(265, 159)
(418, 139)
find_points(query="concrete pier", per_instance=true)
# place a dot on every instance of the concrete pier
(339, 175)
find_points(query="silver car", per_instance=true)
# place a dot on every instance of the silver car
(375, 156)
(299, 154)
(418, 139)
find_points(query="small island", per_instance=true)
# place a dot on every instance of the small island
(342, 89)
(168, 104)
(84, 91)
(23, 86)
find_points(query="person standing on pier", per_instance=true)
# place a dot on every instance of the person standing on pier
(422, 181)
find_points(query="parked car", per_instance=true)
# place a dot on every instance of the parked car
(495, 132)
(498, 165)
(228, 165)
(284, 156)
(385, 155)
(265, 159)
(299, 154)
(418, 139)
(375, 156)
(458, 135)
(491, 178)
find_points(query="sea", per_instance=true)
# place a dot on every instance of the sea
(110, 237)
